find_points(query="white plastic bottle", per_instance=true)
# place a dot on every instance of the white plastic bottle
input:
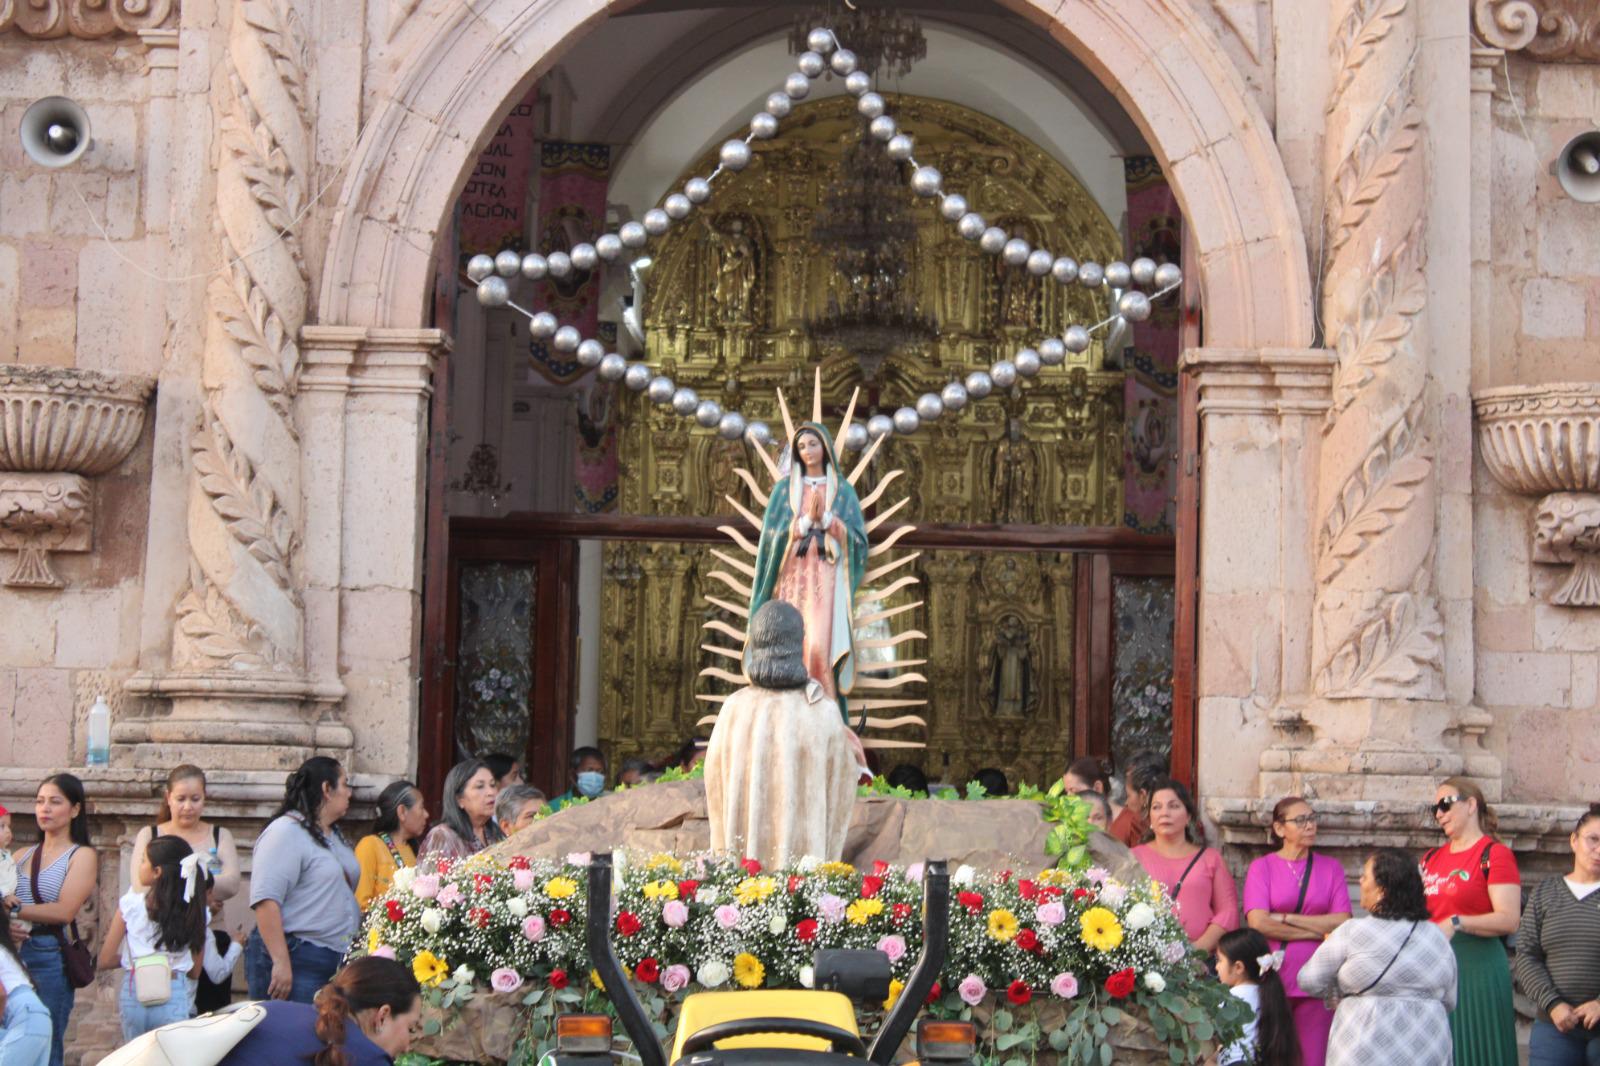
(100, 733)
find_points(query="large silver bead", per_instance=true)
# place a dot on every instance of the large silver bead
(763, 125)
(480, 267)
(698, 190)
(925, 181)
(1039, 262)
(734, 155)
(906, 421)
(633, 234)
(952, 206)
(656, 222)
(1118, 275)
(993, 240)
(1143, 270)
(1091, 275)
(637, 378)
(758, 433)
(858, 82)
(507, 263)
(1027, 362)
(883, 127)
(879, 426)
(660, 389)
(612, 367)
(559, 263)
(779, 105)
(900, 147)
(820, 40)
(1167, 275)
(677, 206)
(1065, 270)
(685, 400)
(798, 86)
(567, 339)
(856, 437)
(534, 267)
(871, 105)
(1076, 338)
(954, 396)
(811, 64)
(493, 291)
(1052, 352)
(971, 226)
(590, 351)
(1004, 374)
(609, 246)
(708, 413)
(929, 406)
(979, 384)
(731, 425)
(843, 61)
(584, 257)
(1015, 252)
(543, 325)
(1134, 305)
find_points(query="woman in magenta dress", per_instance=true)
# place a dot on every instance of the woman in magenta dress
(1295, 898)
(1194, 875)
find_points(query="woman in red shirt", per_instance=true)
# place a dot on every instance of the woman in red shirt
(1474, 896)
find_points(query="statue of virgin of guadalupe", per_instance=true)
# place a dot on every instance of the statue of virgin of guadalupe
(812, 554)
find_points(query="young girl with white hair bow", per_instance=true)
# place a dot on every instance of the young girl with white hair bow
(1250, 968)
(159, 928)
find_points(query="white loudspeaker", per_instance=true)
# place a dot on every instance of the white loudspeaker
(55, 132)
(1577, 168)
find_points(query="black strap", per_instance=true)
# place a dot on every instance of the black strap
(1179, 886)
(1382, 973)
(216, 834)
(33, 877)
(1305, 882)
(1483, 857)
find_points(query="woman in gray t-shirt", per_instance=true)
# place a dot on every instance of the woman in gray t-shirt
(303, 888)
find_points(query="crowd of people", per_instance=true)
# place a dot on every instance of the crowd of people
(1423, 973)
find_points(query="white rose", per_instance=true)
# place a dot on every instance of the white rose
(964, 875)
(517, 906)
(1155, 982)
(712, 974)
(776, 925)
(1140, 916)
(808, 977)
(809, 863)
(431, 919)
(402, 878)
(705, 894)
(463, 975)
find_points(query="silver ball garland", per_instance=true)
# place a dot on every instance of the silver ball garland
(734, 155)
(779, 105)
(584, 257)
(480, 267)
(858, 82)
(1027, 362)
(953, 206)
(954, 396)
(608, 246)
(1091, 275)
(559, 263)
(660, 389)
(590, 352)
(871, 105)
(1076, 338)
(758, 433)
(1040, 262)
(763, 125)
(900, 148)
(1052, 352)
(993, 240)
(698, 190)
(971, 226)
(685, 400)
(979, 384)
(843, 61)
(1015, 252)
(677, 206)
(494, 292)
(1134, 305)
(657, 222)
(1143, 270)
(1004, 374)
(1065, 270)
(811, 64)
(1118, 275)
(798, 86)
(731, 425)
(820, 40)
(1167, 275)
(633, 235)
(883, 127)
(906, 421)
(567, 339)
(534, 266)
(507, 263)
(708, 413)
(925, 181)
(879, 426)
(542, 325)
(612, 367)
(637, 377)
(929, 406)
(856, 437)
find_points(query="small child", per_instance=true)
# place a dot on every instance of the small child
(8, 865)
(163, 913)
(1249, 967)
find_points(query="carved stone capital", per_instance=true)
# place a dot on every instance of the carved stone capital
(86, 19)
(1281, 381)
(40, 514)
(1552, 31)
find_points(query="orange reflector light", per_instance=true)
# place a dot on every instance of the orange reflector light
(583, 1033)
(941, 1040)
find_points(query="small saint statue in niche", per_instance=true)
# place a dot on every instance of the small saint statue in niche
(1011, 482)
(1011, 669)
(736, 271)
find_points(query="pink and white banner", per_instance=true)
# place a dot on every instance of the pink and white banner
(1150, 397)
(494, 202)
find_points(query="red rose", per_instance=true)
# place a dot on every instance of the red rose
(686, 889)
(558, 978)
(795, 881)
(443, 866)
(970, 900)
(1081, 893)
(1120, 983)
(647, 971)
(806, 929)
(519, 862)
(560, 917)
(933, 993)
(1027, 889)
(482, 882)
(479, 917)
(1019, 992)
(751, 867)
(900, 912)
(879, 867)
(871, 886)
(1005, 875)
(628, 923)
(1027, 940)
(1050, 892)
(394, 910)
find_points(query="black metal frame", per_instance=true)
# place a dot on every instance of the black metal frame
(935, 939)
(597, 935)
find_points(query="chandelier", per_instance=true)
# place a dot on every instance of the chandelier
(866, 223)
(885, 42)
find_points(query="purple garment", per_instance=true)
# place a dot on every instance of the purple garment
(1273, 885)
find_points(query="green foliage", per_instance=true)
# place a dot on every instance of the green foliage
(674, 773)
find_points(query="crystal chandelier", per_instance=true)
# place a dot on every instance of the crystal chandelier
(885, 42)
(866, 223)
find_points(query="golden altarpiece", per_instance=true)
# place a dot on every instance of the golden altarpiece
(726, 315)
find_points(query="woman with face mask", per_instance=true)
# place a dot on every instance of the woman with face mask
(587, 776)
(467, 823)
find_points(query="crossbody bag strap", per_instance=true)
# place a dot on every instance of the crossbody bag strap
(1305, 882)
(1395, 958)
(33, 879)
(1185, 876)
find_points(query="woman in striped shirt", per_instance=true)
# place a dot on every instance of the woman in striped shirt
(1558, 956)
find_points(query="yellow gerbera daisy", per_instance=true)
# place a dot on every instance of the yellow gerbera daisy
(748, 971)
(1100, 929)
(560, 887)
(373, 939)
(1055, 877)
(862, 910)
(896, 986)
(754, 890)
(1002, 925)
(660, 890)
(594, 979)
(428, 968)
(835, 869)
(662, 861)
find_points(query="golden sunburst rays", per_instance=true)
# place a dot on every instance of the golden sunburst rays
(881, 678)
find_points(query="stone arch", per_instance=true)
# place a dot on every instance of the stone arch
(468, 63)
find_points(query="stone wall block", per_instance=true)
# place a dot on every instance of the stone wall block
(10, 293)
(90, 627)
(1524, 679)
(383, 493)
(1504, 628)
(112, 199)
(120, 321)
(1553, 308)
(1567, 244)
(44, 708)
(1569, 629)
(24, 203)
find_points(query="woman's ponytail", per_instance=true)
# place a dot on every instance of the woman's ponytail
(1277, 1042)
(180, 923)
(366, 984)
(333, 1010)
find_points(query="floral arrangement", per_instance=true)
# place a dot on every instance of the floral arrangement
(1088, 943)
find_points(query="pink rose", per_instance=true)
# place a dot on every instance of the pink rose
(727, 915)
(1052, 913)
(675, 914)
(1173, 952)
(892, 946)
(578, 858)
(1064, 985)
(533, 927)
(972, 990)
(505, 979)
(1096, 874)
(832, 908)
(448, 896)
(522, 880)
(914, 872)
(383, 951)
(425, 885)
(674, 978)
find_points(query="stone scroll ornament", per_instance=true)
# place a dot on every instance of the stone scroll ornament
(1378, 631)
(1130, 288)
(84, 19)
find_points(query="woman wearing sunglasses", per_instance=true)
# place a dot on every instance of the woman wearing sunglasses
(1296, 897)
(1558, 956)
(1474, 896)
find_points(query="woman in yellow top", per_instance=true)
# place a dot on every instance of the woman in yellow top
(401, 821)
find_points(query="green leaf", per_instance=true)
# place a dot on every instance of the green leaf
(1059, 1040)
(1112, 1016)
(1002, 1021)
(431, 1027)
(1105, 1055)
(1007, 1041)
(976, 791)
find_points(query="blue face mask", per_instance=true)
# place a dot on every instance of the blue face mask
(591, 783)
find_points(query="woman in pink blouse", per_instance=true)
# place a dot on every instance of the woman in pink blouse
(1295, 898)
(1194, 875)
